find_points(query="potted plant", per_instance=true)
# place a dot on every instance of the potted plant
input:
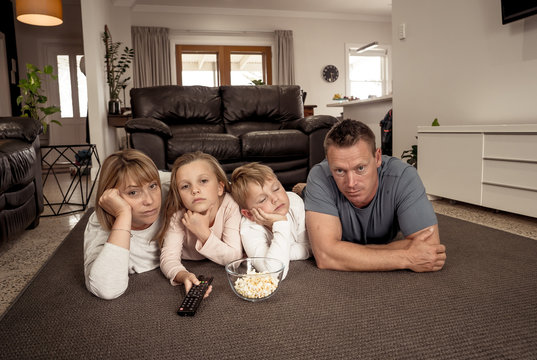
(116, 67)
(32, 99)
(411, 155)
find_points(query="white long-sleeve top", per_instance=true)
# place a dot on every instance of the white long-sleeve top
(107, 266)
(222, 246)
(287, 241)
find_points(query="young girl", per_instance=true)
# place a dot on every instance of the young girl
(201, 219)
(119, 234)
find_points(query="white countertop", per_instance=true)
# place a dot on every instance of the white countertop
(508, 128)
(344, 103)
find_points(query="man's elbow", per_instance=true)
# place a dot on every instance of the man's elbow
(323, 260)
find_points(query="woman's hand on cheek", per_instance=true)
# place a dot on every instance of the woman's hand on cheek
(112, 202)
(198, 223)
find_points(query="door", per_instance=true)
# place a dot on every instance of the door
(69, 92)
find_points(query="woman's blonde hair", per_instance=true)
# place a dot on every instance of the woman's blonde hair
(173, 200)
(115, 170)
(246, 174)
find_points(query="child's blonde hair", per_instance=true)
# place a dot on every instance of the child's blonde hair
(173, 200)
(116, 169)
(246, 174)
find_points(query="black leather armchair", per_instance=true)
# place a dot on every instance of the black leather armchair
(21, 186)
(235, 124)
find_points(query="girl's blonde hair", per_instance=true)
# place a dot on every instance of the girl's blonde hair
(173, 200)
(115, 170)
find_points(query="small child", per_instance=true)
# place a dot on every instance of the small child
(274, 220)
(201, 219)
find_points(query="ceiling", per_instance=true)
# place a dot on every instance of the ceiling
(373, 8)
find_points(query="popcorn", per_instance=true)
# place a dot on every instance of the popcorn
(256, 285)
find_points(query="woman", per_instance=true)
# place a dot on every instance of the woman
(118, 240)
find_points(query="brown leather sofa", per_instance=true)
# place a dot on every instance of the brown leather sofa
(235, 124)
(21, 187)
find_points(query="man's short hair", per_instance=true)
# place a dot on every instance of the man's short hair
(246, 174)
(347, 133)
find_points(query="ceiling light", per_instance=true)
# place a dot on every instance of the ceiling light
(39, 12)
(369, 46)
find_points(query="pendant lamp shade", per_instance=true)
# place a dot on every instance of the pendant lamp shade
(39, 12)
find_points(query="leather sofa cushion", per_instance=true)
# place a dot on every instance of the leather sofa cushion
(22, 128)
(265, 104)
(17, 158)
(179, 130)
(224, 147)
(12, 220)
(178, 104)
(17, 198)
(271, 145)
(243, 127)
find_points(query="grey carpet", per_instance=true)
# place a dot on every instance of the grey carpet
(482, 305)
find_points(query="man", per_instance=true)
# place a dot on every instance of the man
(357, 200)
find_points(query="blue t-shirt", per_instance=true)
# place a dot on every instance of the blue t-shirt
(400, 203)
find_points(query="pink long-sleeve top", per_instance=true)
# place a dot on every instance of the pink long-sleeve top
(223, 246)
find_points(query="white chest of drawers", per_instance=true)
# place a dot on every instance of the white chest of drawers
(489, 165)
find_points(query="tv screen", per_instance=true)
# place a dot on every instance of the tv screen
(513, 10)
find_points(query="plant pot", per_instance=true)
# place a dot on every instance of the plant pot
(114, 107)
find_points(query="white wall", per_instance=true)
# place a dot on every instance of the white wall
(461, 65)
(317, 41)
(95, 14)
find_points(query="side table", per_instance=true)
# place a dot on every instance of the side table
(118, 121)
(308, 110)
(75, 192)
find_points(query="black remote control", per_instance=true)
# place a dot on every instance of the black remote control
(192, 300)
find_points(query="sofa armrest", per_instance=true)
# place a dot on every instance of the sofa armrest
(148, 125)
(310, 124)
(22, 128)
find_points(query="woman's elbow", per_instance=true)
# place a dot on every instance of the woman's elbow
(105, 292)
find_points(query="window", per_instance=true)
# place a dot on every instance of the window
(223, 65)
(64, 79)
(368, 72)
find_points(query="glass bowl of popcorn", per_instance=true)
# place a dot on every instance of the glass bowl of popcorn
(255, 278)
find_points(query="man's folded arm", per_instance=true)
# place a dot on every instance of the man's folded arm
(331, 252)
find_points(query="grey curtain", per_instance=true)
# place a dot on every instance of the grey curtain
(151, 56)
(285, 58)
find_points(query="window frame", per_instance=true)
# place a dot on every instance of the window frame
(223, 55)
(386, 71)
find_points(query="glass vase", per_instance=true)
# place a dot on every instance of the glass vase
(114, 107)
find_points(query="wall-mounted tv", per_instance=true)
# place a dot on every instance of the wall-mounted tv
(513, 10)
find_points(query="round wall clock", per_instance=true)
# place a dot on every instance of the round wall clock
(330, 73)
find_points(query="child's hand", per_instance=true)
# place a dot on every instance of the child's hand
(266, 219)
(198, 223)
(189, 279)
(112, 202)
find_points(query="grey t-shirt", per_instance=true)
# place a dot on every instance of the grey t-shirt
(400, 203)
